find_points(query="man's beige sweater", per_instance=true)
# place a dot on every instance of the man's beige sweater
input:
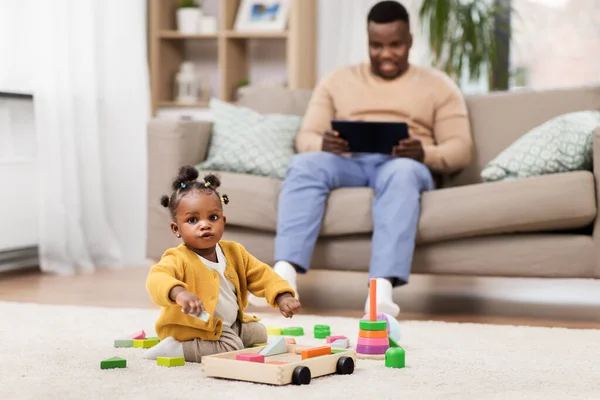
(425, 98)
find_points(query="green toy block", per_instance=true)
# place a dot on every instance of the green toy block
(322, 328)
(335, 350)
(367, 325)
(321, 331)
(392, 342)
(395, 357)
(322, 334)
(170, 361)
(293, 331)
(115, 362)
(124, 343)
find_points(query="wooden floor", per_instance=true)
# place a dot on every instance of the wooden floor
(125, 288)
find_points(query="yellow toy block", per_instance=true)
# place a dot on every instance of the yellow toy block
(271, 330)
(170, 361)
(145, 343)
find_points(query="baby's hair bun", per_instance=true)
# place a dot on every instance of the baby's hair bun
(212, 181)
(164, 201)
(187, 173)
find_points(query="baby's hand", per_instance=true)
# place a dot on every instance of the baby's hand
(288, 305)
(189, 302)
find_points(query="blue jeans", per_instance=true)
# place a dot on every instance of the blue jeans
(397, 183)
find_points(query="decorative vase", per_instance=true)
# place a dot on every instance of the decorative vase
(187, 83)
(188, 20)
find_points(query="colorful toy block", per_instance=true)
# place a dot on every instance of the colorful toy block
(373, 325)
(145, 343)
(393, 326)
(361, 348)
(374, 342)
(393, 342)
(138, 335)
(372, 334)
(259, 344)
(335, 350)
(251, 357)
(170, 361)
(124, 343)
(322, 331)
(331, 339)
(271, 330)
(276, 346)
(341, 344)
(316, 352)
(115, 362)
(293, 331)
(373, 339)
(290, 340)
(203, 316)
(395, 357)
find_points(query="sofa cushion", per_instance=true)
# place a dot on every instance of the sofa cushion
(550, 202)
(246, 141)
(252, 199)
(545, 203)
(561, 144)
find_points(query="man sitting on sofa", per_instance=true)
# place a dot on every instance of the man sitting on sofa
(388, 88)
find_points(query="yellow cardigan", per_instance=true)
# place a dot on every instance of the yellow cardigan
(180, 266)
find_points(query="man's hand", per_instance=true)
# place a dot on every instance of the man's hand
(409, 148)
(333, 143)
(189, 302)
(288, 305)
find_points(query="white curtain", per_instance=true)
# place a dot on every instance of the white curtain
(91, 98)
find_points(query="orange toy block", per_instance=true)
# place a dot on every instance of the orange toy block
(372, 334)
(290, 340)
(277, 362)
(316, 352)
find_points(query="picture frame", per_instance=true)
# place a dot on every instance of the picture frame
(262, 16)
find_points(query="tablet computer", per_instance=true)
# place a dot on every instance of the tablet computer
(371, 136)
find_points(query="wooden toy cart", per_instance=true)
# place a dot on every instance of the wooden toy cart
(280, 369)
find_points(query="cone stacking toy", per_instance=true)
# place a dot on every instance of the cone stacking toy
(373, 339)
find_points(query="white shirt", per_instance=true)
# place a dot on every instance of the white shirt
(227, 306)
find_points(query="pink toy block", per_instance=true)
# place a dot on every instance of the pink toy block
(252, 357)
(139, 335)
(331, 339)
(290, 340)
(373, 341)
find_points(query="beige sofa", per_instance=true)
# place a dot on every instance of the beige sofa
(538, 227)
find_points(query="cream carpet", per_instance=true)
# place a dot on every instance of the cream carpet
(54, 352)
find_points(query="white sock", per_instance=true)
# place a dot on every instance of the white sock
(165, 348)
(385, 303)
(287, 272)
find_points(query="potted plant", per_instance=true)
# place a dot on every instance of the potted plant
(189, 15)
(470, 34)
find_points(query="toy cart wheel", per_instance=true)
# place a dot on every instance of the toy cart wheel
(345, 366)
(301, 375)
